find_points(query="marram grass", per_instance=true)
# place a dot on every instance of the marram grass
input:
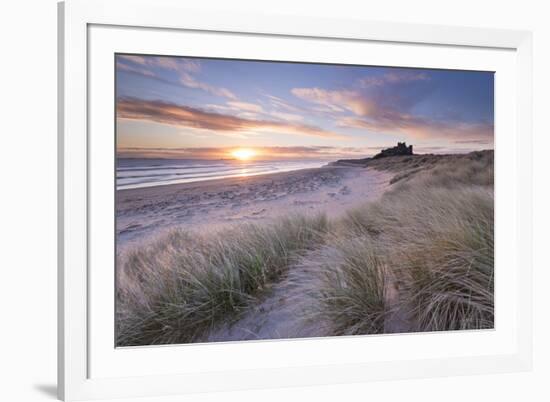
(184, 284)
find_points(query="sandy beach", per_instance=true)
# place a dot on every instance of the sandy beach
(213, 204)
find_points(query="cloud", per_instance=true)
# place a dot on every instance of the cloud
(482, 141)
(170, 63)
(266, 152)
(179, 64)
(287, 116)
(245, 106)
(183, 67)
(422, 128)
(252, 111)
(444, 150)
(384, 104)
(135, 70)
(243, 110)
(332, 100)
(394, 77)
(382, 95)
(281, 104)
(186, 116)
(132, 58)
(189, 81)
(339, 100)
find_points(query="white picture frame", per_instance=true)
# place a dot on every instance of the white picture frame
(78, 332)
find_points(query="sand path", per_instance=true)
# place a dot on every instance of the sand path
(283, 313)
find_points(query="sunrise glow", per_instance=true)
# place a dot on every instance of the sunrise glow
(243, 154)
(193, 108)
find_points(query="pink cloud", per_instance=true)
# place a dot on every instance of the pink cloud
(185, 116)
(382, 109)
(422, 128)
(338, 100)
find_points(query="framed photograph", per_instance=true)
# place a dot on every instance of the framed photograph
(253, 201)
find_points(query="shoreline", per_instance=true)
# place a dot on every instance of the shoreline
(213, 176)
(142, 213)
(215, 182)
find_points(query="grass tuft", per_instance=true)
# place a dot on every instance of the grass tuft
(348, 286)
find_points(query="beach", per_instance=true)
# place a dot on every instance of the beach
(364, 246)
(143, 213)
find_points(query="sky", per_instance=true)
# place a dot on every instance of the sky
(181, 107)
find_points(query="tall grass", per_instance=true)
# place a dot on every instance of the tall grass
(433, 237)
(447, 262)
(438, 245)
(182, 285)
(345, 282)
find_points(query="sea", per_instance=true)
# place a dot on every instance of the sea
(139, 173)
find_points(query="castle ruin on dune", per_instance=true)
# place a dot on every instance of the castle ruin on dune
(400, 149)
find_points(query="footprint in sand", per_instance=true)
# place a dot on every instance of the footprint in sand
(345, 190)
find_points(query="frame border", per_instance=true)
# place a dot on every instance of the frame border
(74, 16)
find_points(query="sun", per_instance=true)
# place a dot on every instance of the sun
(243, 154)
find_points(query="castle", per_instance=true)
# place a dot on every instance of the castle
(400, 149)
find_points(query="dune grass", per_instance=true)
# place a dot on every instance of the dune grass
(345, 284)
(419, 259)
(183, 284)
(423, 253)
(437, 245)
(475, 168)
